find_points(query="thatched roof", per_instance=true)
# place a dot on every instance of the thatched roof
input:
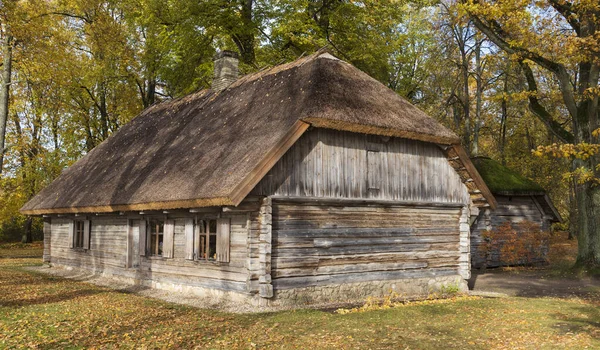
(503, 181)
(209, 149)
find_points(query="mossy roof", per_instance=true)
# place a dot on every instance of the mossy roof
(501, 179)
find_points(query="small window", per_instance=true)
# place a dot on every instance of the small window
(79, 234)
(156, 231)
(208, 240)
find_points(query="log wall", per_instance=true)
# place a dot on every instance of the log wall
(513, 209)
(326, 244)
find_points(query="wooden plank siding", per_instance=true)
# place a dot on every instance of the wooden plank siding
(334, 164)
(513, 209)
(320, 244)
(108, 244)
(110, 249)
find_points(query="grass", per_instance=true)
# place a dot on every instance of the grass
(21, 250)
(40, 311)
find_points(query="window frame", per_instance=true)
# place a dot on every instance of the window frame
(158, 250)
(80, 234)
(204, 229)
(204, 236)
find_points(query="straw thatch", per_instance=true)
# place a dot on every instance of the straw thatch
(211, 148)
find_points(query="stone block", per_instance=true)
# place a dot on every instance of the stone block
(265, 290)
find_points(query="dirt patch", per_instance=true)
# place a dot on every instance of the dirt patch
(554, 280)
(534, 284)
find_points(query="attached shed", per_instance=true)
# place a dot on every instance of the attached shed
(307, 182)
(519, 199)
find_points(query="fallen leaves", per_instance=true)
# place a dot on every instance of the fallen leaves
(40, 311)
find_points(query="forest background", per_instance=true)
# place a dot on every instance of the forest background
(74, 71)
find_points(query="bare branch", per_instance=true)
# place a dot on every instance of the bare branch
(538, 110)
(565, 8)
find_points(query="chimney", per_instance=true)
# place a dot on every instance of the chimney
(226, 70)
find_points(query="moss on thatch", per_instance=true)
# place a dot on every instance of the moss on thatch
(501, 179)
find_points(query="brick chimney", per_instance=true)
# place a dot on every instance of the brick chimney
(226, 70)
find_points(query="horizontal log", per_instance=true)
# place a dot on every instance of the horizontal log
(343, 269)
(359, 201)
(310, 281)
(327, 243)
(224, 285)
(430, 255)
(319, 252)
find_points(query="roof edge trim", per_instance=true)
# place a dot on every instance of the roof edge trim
(470, 167)
(204, 202)
(376, 130)
(269, 160)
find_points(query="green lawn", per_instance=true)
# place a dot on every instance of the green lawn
(39, 311)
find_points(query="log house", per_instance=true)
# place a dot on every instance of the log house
(307, 182)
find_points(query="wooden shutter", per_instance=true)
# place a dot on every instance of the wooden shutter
(72, 228)
(223, 233)
(198, 229)
(189, 239)
(168, 238)
(142, 237)
(374, 171)
(86, 234)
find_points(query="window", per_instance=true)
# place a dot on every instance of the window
(156, 231)
(156, 237)
(79, 234)
(210, 240)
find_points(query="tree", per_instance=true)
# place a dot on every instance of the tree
(6, 43)
(566, 44)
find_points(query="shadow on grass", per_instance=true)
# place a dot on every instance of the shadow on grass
(49, 298)
(588, 322)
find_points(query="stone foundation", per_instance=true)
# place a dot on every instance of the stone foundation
(355, 292)
(322, 296)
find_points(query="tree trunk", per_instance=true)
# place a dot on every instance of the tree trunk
(588, 224)
(4, 93)
(572, 210)
(149, 99)
(244, 38)
(103, 110)
(466, 102)
(28, 233)
(504, 117)
(478, 98)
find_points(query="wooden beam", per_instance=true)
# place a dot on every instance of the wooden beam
(345, 201)
(470, 168)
